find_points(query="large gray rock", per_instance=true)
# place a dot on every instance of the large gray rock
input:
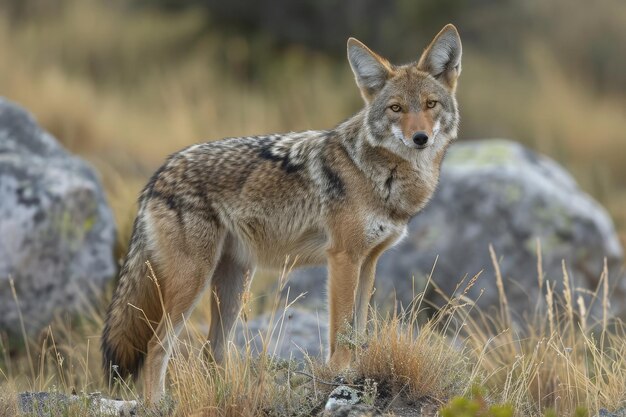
(56, 230)
(494, 192)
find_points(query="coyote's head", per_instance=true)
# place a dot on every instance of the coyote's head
(410, 108)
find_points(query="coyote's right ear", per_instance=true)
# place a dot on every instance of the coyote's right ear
(370, 70)
(442, 58)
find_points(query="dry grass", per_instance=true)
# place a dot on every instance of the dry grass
(8, 401)
(244, 385)
(66, 358)
(561, 357)
(413, 361)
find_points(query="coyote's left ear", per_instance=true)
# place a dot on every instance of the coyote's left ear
(442, 58)
(370, 70)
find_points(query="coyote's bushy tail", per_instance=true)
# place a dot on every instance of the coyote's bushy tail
(126, 331)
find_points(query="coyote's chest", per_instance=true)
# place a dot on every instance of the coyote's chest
(380, 230)
(406, 191)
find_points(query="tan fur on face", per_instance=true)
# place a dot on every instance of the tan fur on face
(411, 123)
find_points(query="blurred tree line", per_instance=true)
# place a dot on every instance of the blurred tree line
(588, 38)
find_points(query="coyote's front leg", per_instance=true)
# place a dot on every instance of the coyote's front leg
(365, 286)
(343, 269)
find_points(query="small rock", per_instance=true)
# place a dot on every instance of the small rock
(357, 410)
(603, 412)
(52, 404)
(117, 407)
(43, 404)
(342, 395)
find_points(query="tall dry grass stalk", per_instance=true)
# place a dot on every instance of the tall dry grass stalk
(560, 357)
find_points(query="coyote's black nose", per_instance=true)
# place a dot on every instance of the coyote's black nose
(420, 138)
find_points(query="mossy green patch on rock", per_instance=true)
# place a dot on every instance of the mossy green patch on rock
(89, 222)
(490, 153)
(554, 214)
(549, 243)
(71, 227)
(513, 193)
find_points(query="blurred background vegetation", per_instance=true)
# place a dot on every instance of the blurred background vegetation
(124, 83)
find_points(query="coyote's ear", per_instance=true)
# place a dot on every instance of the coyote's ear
(442, 58)
(370, 70)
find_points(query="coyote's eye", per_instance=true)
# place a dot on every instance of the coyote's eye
(431, 104)
(395, 108)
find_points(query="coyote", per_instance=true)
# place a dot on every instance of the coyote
(214, 211)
